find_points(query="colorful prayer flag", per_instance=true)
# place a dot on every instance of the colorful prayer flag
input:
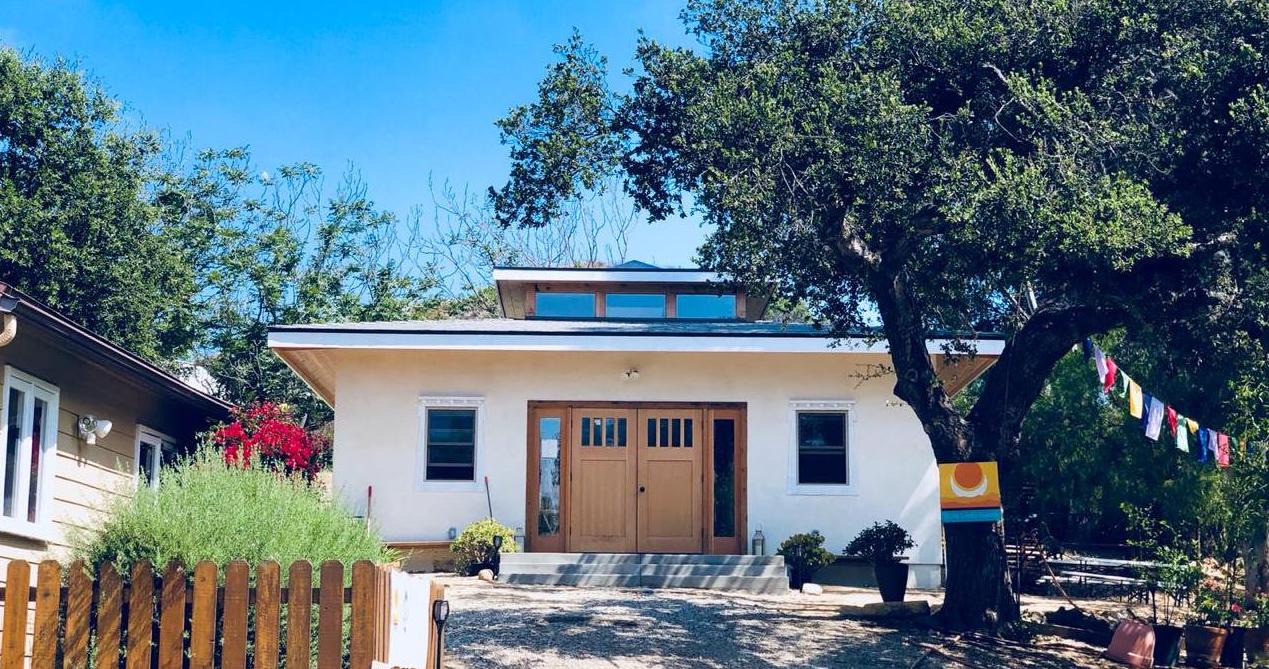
(1154, 418)
(1183, 434)
(1222, 450)
(1108, 379)
(1135, 405)
(1171, 416)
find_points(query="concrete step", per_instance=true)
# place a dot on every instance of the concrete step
(770, 570)
(570, 568)
(755, 584)
(745, 573)
(578, 580)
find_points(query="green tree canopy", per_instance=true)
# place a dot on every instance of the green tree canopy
(79, 224)
(1048, 169)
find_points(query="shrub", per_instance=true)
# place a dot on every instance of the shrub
(882, 542)
(474, 542)
(207, 509)
(805, 554)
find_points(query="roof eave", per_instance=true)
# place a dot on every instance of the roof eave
(111, 354)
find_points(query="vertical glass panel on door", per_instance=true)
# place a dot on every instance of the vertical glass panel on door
(38, 428)
(15, 403)
(724, 477)
(549, 476)
(634, 305)
(564, 305)
(704, 306)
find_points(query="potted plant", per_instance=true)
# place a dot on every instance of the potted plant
(1172, 578)
(1205, 633)
(1235, 643)
(804, 554)
(1256, 640)
(883, 543)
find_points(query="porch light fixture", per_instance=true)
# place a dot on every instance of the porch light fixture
(631, 374)
(92, 428)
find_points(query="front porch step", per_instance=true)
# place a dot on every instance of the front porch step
(747, 573)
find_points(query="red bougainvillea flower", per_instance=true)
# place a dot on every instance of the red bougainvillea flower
(268, 432)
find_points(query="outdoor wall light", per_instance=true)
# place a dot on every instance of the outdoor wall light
(631, 374)
(92, 428)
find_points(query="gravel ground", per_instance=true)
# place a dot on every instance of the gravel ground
(496, 626)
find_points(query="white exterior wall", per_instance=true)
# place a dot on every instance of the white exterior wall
(377, 435)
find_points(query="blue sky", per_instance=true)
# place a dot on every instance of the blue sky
(398, 89)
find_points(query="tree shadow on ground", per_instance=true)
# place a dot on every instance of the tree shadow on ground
(507, 626)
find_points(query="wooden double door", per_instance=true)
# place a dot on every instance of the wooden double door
(637, 480)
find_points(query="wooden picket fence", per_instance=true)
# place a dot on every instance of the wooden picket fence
(117, 618)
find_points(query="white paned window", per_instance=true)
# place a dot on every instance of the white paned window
(450, 445)
(154, 451)
(821, 455)
(29, 454)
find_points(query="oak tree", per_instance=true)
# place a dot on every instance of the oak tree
(1047, 169)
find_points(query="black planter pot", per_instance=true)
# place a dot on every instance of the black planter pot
(1232, 654)
(892, 579)
(1167, 645)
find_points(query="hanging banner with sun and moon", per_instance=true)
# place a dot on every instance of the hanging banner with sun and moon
(969, 492)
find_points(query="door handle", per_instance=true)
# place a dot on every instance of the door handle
(642, 489)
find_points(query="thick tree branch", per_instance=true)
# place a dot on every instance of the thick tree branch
(917, 383)
(1014, 383)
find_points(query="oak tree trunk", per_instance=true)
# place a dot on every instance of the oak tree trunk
(978, 592)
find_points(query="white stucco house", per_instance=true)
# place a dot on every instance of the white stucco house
(631, 409)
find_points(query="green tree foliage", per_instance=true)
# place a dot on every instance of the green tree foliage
(1049, 169)
(189, 257)
(287, 250)
(80, 227)
(1082, 458)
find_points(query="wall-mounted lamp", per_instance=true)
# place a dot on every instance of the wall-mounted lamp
(631, 374)
(92, 428)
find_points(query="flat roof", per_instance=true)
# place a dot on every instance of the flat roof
(602, 274)
(603, 335)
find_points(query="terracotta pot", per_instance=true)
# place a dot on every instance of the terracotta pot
(1257, 644)
(892, 579)
(1232, 654)
(1203, 645)
(1167, 645)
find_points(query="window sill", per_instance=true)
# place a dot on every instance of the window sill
(823, 490)
(449, 486)
(41, 532)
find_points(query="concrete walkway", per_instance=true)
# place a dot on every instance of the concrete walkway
(541, 626)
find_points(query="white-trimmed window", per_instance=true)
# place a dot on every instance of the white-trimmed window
(29, 453)
(154, 451)
(450, 443)
(821, 460)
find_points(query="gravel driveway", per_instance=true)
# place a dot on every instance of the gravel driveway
(537, 626)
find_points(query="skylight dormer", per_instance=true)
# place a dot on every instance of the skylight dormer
(630, 291)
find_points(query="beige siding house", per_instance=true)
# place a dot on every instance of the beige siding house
(55, 476)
